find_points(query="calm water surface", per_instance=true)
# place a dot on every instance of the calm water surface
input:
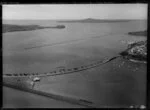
(118, 83)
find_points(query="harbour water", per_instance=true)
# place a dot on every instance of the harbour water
(119, 83)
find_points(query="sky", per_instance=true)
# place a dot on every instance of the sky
(75, 11)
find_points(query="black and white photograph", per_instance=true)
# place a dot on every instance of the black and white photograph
(74, 55)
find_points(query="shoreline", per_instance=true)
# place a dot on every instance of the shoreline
(53, 96)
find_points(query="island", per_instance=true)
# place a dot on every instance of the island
(138, 33)
(91, 20)
(13, 28)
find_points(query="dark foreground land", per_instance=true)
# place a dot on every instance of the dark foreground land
(13, 28)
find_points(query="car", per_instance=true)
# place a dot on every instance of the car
(36, 79)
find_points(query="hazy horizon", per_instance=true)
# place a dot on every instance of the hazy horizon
(74, 19)
(74, 11)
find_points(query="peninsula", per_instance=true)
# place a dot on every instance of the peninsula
(136, 51)
(13, 28)
(138, 33)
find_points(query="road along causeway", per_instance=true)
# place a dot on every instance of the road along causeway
(63, 71)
